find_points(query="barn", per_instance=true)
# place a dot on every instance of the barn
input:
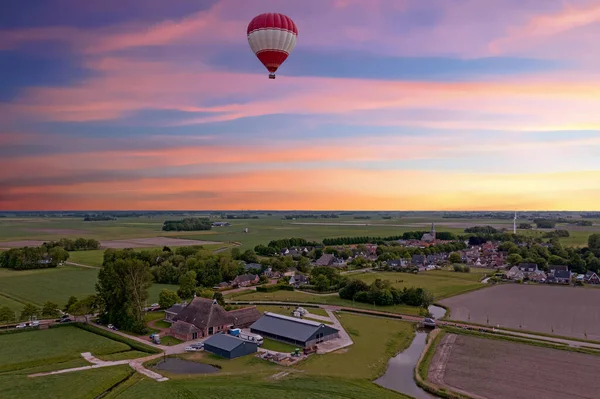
(228, 346)
(291, 330)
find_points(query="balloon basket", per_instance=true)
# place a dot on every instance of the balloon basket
(271, 76)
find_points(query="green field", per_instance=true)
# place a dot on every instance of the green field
(261, 231)
(278, 346)
(442, 284)
(56, 285)
(287, 310)
(376, 340)
(33, 348)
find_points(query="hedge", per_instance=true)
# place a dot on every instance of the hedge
(274, 287)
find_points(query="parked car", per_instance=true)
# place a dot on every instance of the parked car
(197, 345)
(21, 325)
(191, 349)
(112, 327)
(34, 323)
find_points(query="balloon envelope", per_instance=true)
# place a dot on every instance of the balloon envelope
(272, 37)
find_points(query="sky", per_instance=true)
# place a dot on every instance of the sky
(382, 105)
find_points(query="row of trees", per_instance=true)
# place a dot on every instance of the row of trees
(98, 218)
(78, 244)
(187, 224)
(29, 258)
(381, 292)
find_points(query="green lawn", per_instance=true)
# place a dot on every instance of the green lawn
(56, 285)
(11, 303)
(441, 283)
(133, 354)
(298, 297)
(78, 385)
(376, 340)
(90, 258)
(278, 346)
(169, 341)
(56, 345)
(252, 387)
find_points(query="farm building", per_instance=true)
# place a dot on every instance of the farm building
(228, 346)
(303, 333)
(203, 317)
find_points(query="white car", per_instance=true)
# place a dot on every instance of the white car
(21, 325)
(34, 323)
(191, 349)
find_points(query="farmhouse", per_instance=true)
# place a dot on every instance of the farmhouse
(303, 333)
(515, 274)
(298, 280)
(173, 311)
(325, 260)
(245, 280)
(552, 269)
(203, 317)
(228, 346)
(528, 268)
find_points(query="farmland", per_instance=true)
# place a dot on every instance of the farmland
(442, 284)
(483, 367)
(120, 232)
(565, 311)
(56, 285)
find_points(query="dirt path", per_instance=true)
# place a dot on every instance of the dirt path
(343, 341)
(80, 265)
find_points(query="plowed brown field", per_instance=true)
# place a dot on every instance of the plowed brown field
(506, 370)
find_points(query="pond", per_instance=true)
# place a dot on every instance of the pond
(179, 366)
(400, 370)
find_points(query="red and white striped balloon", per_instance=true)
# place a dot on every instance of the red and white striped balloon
(272, 37)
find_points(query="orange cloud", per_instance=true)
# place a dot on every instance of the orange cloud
(335, 189)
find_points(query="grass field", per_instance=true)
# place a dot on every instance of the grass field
(376, 340)
(441, 283)
(299, 297)
(82, 384)
(56, 285)
(56, 345)
(261, 231)
(278, 346)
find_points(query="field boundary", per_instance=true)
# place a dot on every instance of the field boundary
(119, 338)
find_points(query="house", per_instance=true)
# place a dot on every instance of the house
(203, 317)
(299, 332)
(298, 280)
(290, 272)
(592, 278)
(173, 311)
(245, 280)
(552, 269)
(325, 260)
(270, 273)
(229, 347)
(338, 262)
(252, 266)
(528, 268)
(418, 260)
(397, 263)
(515, 274)
(560, 277)
(538, 276)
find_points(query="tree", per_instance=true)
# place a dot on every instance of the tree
(514, 259)
(6, 314)
(594, 242)
(455, 257)
(167, 298)
(50, 309)
(321, 282)
(123, 289)
(206, 293)
(29, 311)
(58, 255)
(70, 302)
(220, 298)
(89, 305)
(187, 285)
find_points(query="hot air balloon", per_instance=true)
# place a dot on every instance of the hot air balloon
(272, 38)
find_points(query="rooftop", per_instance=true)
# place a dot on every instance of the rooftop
(289, 327)
(225, 341)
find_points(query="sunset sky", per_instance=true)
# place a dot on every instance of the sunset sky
(383, 104)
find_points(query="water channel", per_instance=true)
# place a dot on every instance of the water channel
(400, 370)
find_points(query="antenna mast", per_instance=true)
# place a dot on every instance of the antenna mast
(515, 223)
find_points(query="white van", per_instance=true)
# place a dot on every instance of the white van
(246, 336)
